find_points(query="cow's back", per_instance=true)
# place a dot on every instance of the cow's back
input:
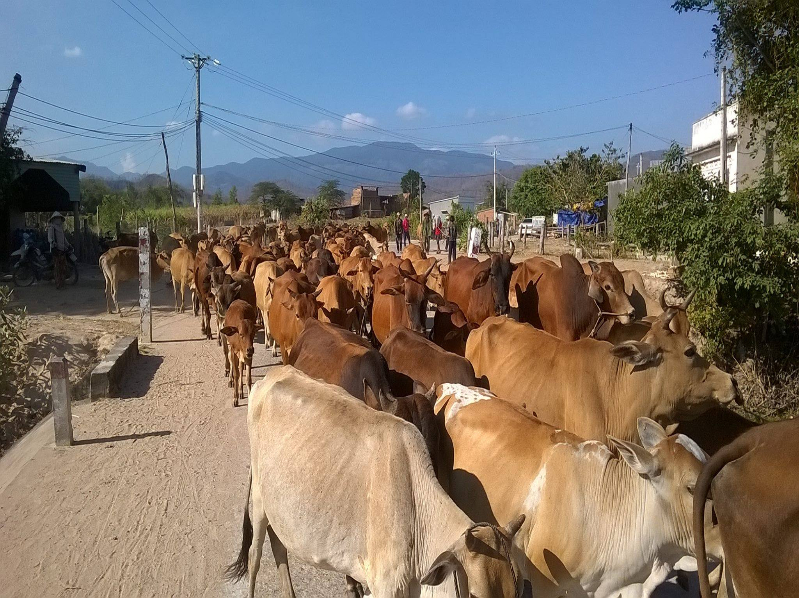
(121, 262)
(182, 265)
(263, 286)
(387, 310)
(337, 299)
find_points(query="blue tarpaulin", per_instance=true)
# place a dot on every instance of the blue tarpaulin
(568, 218)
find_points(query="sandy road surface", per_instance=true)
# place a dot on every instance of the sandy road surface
(149, 503)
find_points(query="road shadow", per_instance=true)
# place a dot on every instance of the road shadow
(199, 339)
(139, 376)
(122, 437)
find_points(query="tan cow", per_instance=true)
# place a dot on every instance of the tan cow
(435, 281)
(593, 388)
(181, 267)
(595, 523)
(294, 301)
(120, 264)
(413, 252)
(265, 275)
(336, 302)
(239, 331)
(227, 259)
(314, 449)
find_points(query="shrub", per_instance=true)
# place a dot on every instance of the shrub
(315, 210)
(745, 274)
(13, 356)
(464, 219)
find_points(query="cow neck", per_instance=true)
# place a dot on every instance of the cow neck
(625, 399)
(625, 532)
(586, 311)
(438, 521)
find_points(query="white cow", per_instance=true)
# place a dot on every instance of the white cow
(352, 490)
(596, 524)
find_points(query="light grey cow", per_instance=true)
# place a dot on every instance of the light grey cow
(352, 490)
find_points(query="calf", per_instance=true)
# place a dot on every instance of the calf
(120, 264)
(240, 329)
(181, 267)
(595, 523)
(755, 486)
(419, 360)
(204, 264)
(404, 533)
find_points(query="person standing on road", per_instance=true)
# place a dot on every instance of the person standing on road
(437, 232)
(427, 231)
(58, 247)
(452, 239)
(406, 231)
(398, 233)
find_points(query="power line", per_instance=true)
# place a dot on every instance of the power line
(110, 135)
(175, 28)
(146, 16)
(145, 28)
(658, 137)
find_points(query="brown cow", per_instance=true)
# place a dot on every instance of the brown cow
(400, 299)
(320, 266)
(341, 357)
(336, 302)
(635, 331)
(227, 259)
(412, 358)
(755, 487)
(240, 329)
(592, 388)
(435, 281)
(204, 264)
(181, 267)
(265, 275)
(389, 258)
(565, 301)
(413, 252)
(467, 285)
(238, 286)
(293, 302)
(120, 264)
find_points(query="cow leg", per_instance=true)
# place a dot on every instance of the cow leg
(282, 562)
(260, 525)
(354, 589)
(114, 297)
(235, 372)
(107, 294)
(195, 303)
(226, 352)
(175, 291)
(218, 329)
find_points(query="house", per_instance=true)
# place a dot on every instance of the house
(39, 186)
(442, 207)
(745, 154)
(366, 201)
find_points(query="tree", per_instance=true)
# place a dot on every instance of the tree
(233, 196)
(531, 195)
(273, 197)
(488, 195)
(330, 193)
(92, 191)
(410, 184)
(10, 154)
(581, 179)
(216, 199)
(759, 41)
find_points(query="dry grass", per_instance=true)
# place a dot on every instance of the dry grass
(770, 387)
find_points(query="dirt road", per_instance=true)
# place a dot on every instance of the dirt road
(149, 502)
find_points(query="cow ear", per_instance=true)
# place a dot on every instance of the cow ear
(352, 272)
(594, 290)
(481, 279)
(435, 298)
(636, 353)
(650, 432)
(376, 265)
(638, 458)
(395, 290)
(458, 319)
(369, 397)
(690, 445)
(594, 266)
(228, 331)
(288, 304)
(441, 568)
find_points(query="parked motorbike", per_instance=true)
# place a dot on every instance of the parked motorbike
(35, 265)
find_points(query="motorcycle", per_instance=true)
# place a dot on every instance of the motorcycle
(35, 265)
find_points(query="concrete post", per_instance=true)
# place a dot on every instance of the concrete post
(62, 408)
(541, 241)
(145, 311)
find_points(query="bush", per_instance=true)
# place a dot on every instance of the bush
(13, 356)
(464, 219)
(315, 210)
(745, 274)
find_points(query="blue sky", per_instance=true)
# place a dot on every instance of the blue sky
(405, 68)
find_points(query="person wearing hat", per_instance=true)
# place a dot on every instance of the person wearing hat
(406, 231)
(58, 247)
(398, 233)
(427, 231)
(452, 239)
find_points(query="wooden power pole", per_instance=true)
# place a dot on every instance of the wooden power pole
(169, 182)
(12, 93)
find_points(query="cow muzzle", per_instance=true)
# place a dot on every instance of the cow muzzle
(627, 318)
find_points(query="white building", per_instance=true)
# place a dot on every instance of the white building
(442, 207)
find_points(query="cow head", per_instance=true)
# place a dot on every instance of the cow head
(225, 294)
(606, 287)
(480, 561)
(362, 278)
(498, 274)
(669, 466)
(304, 305)
(240, 339)
(413, 289)
(680, 323)
(685, 384)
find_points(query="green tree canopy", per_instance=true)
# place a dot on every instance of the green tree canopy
(216, 199)
(9, 155)
(759, 41)
(488, 194)
(410, 183)
(273, 197)
(578, 178)
(233, 195)
(531, 195)
(330, 193)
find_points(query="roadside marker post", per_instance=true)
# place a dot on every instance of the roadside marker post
(145, 307)
(62, 407)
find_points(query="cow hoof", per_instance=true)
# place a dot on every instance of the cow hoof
(230, 383)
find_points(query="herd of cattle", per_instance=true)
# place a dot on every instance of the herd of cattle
(567, 451)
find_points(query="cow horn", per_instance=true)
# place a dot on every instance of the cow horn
(662, 298)
(514, 526)
(487, 248)
(668, 316)
(684, 305)
(429, 270)
(431, 394)
(512, 249)
(316, 293)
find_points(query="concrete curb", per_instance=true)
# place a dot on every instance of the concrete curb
(106, 376)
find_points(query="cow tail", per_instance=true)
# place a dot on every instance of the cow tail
(236, 571)
(727, 454)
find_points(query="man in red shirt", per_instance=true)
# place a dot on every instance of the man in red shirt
(406, 230)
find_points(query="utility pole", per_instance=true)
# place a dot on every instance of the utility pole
(420, 200)
(169, 182)
(495, 183)
(627, 168)
(12, 93)
(198, 62)
(723, 144)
